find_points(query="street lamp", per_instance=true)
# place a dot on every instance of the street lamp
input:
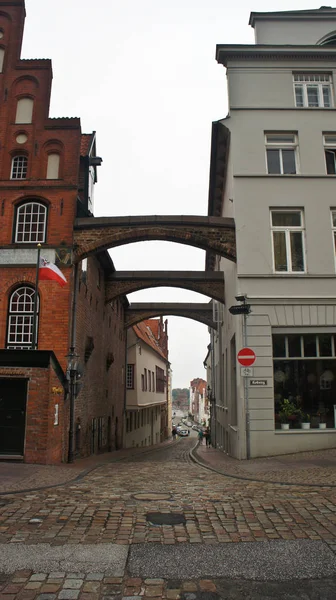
(71, 377)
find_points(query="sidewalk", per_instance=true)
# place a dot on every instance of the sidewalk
(316, 468)
(19, 477)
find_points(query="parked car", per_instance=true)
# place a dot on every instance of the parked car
(195, 427)
(182, 432)
(188, 424)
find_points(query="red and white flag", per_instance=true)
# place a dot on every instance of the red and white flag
(49, 272)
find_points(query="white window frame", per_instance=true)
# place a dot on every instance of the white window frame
(22, 318)
(287, 231)
(319, 80)
(329, 143)
(25, 221)
(282, 145)
(19, 167)
(333, 230)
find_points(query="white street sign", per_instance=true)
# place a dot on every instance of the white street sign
(246, 371)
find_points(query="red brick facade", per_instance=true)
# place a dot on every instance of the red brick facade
(28, 144)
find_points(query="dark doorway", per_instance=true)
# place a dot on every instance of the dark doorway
(13, 399)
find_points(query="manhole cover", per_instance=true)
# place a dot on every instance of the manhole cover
(151, 496)
(157, 518)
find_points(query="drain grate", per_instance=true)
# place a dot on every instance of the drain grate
(157, 518)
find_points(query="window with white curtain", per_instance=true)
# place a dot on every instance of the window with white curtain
(288, 241)
(24, 110)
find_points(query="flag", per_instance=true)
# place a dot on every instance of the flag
(49, 272)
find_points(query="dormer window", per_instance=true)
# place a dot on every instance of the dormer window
(312, 90)
(19, 167)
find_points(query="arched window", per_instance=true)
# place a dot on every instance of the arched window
(24, 110)
(20, 318)
(19, 167)
(53, 166)
(31, 222)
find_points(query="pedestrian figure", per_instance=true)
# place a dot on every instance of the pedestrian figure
(200, 437)
(207, 438)
(174, 432)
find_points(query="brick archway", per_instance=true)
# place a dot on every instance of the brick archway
(95, 234)
(197, 312)
(125, 282)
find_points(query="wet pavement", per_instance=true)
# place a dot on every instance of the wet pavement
(94, 535)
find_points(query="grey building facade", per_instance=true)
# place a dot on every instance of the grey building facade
(273, 169)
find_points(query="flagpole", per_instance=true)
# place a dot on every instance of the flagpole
(33, 345)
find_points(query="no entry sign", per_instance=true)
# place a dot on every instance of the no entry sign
(246, 357)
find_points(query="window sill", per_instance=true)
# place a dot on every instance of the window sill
(286, 176)
(303, 431)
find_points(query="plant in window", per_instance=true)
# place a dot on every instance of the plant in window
(288, 412)
(305, 420)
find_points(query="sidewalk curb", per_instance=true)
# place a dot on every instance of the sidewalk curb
(194, 457)
(87, 471)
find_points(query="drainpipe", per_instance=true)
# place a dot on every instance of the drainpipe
(72, 365)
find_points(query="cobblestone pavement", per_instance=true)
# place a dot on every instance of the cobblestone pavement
(111, 505)
(304, 468)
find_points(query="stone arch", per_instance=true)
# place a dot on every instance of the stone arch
(208, 283)
(197, 312)
(96, 234)
(328, 40)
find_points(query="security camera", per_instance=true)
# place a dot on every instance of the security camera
(241, 298)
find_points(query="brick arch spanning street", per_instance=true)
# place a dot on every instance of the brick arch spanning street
(143, 310)
(94, 234)
(209, 283)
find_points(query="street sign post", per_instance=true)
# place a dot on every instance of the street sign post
(246, 357)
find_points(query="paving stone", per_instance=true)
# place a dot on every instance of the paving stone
(95, 577)
(68, 595)
(73, 584)
(38, 577)
(46, 597)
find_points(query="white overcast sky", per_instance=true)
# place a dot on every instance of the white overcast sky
(142, 73)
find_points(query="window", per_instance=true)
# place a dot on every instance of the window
(288, 242)
(142, 382)
(145, 380)
(149, 381)
(31, 222)
(160, 379)
(24, 110)
(305, 374)
(281, 153)
(313, 90)
(153, 382)
(333, 225)
(53, 166)
(20, 318)
(130, 377)
(329, 141)
(19, 167)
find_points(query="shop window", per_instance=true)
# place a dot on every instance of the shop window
(305, 374)
(20, 319)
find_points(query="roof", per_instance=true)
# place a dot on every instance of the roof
(324, 12)
(86, 143)
(145, 331)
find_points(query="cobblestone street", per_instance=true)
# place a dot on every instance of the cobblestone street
(116, 504)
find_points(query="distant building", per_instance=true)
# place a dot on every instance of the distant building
(198, 401)
(146, 421)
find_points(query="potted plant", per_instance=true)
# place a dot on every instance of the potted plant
(322, 414)
(288, 410)
(305, 420)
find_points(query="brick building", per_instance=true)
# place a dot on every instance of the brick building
(48, 169)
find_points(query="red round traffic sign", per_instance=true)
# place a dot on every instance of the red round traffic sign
(246, 357)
